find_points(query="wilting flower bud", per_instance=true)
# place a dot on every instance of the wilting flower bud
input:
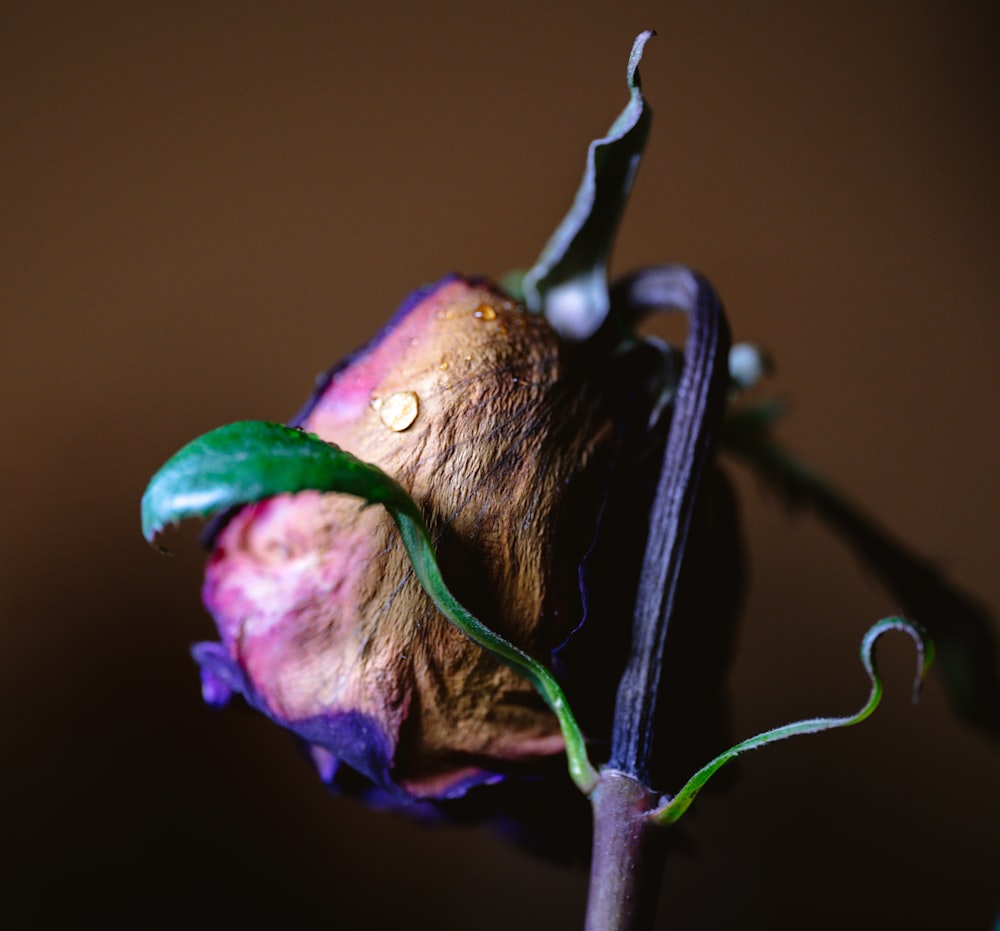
(505, 438)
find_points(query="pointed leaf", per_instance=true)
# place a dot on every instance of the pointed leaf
(568, 283)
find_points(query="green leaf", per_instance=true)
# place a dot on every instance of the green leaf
(251, 460)
(676, 806)
(569, 283)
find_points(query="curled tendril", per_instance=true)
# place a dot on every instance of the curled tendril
(674, 807)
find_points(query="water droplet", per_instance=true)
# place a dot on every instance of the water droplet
(399, 410)
(484, 312)
(443, 364)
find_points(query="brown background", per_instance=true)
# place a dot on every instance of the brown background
(203, 205)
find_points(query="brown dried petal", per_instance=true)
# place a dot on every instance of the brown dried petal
(476, 409)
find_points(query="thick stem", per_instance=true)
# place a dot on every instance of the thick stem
(627, 856)
(627, 852)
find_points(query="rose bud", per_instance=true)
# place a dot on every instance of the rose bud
(505, 439)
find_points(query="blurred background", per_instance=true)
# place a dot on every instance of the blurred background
(204, 205)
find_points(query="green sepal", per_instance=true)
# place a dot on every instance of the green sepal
(569, 283)
(249, 461)
(512, 282)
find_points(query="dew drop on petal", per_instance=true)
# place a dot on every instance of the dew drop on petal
(399, 410)
(484, 312)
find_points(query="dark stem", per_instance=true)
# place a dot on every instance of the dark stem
(697, 414)
(626, 852)
(627, 846)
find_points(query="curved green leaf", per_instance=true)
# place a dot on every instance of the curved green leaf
(676, 806)
(569, 282)
(252, 460)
